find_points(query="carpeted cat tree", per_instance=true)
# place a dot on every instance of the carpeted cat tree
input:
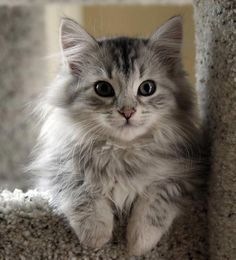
(30, 229)
(216, 83)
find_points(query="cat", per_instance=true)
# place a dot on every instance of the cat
(120, 133)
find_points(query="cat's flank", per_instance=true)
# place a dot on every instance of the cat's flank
(120, 134)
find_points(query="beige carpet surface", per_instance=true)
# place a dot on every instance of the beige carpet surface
(31, 229)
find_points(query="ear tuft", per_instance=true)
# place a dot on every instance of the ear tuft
(72, 34)
(170, 30)
(74, 41)
(169, 37)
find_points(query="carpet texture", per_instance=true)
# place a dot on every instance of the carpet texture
(216, 82)
(31, 229)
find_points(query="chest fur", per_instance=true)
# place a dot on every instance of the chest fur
(121, 173)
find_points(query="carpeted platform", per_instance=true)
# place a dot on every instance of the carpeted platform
(30, 229)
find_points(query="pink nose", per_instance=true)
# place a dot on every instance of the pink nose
(127, 113)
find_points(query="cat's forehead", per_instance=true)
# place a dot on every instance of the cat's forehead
(122, 53)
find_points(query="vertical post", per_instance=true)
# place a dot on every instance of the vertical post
(22, 40)
(216, 82)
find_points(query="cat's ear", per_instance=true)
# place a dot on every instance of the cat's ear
(75, 43)
(167, 39)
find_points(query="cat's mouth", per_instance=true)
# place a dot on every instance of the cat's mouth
(128, 124)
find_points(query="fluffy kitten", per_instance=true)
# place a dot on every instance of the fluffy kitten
(120, 134)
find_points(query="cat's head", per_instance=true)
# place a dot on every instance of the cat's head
(122, 87)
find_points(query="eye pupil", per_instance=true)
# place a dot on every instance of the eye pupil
(147, 88)
(104, 89)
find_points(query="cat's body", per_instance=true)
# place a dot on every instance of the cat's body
(129, 144)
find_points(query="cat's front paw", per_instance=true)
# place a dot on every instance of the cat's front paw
(93, 233)
(141, 237)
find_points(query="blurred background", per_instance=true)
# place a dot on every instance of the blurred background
(28, 47)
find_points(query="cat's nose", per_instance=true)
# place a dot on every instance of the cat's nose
(127, 113)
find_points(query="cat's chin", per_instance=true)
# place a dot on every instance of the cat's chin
(129, 132)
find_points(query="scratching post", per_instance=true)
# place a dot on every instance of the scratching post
(216, 83)
(21, 76)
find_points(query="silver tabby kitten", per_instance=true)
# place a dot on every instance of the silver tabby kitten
(120, 134)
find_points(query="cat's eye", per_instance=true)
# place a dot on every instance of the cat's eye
(147, 88)
(104, 89)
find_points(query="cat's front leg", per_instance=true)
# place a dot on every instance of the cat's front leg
(150, 218)
(92, 221)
